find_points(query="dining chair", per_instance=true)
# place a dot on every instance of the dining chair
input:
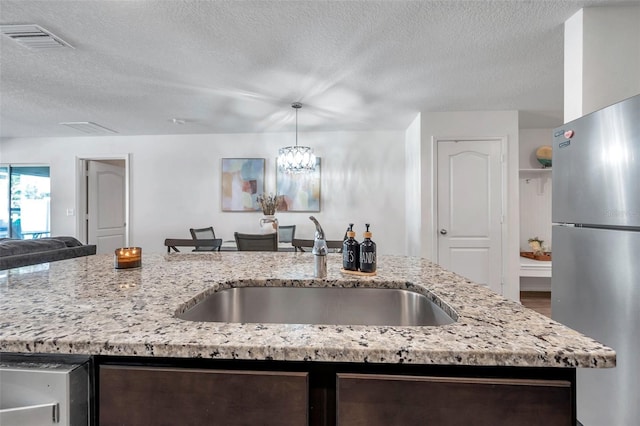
(205, 234)
(286, 233)
(334, 246)
(256, 242)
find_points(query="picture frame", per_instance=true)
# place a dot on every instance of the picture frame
(242, 181)
(300, 191)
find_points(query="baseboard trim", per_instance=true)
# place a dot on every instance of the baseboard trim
(535, 284)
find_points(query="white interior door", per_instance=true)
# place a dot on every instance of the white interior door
(106, 219)
(469, 209)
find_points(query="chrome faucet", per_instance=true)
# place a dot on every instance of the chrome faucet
(319, 251)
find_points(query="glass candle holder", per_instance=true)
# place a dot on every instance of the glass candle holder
(128, 257)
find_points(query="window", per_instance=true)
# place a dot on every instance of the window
(25, 198)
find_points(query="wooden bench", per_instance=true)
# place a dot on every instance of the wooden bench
(174, 243)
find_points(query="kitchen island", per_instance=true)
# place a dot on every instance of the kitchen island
(126, 320)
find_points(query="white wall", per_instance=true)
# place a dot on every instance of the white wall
(473, 124)
(573, 59)
(175, 182)
(602, 58)
(611, 56)
(413, 203)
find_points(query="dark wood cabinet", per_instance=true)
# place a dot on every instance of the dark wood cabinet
(131, 395)
(193, 391)
(372, 400)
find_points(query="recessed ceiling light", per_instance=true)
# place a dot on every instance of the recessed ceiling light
(88, 127)
(33, 37)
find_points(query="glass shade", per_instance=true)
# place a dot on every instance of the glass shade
(296, 159)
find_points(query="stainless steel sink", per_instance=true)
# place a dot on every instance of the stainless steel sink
(321, 305)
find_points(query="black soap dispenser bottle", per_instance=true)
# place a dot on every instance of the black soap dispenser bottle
(367, 253)
(350, 251)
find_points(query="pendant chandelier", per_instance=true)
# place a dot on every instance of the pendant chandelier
(296, 159)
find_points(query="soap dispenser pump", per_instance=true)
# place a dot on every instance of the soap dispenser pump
(367, 253)
(350, 251)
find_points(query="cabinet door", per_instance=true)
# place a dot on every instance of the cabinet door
(180, 396)
(373, 400)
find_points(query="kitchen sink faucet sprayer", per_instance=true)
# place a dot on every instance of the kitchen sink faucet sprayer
(319, 251)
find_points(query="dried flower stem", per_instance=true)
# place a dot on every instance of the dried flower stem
(269, 203)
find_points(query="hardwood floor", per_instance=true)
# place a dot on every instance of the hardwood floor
(539, 301)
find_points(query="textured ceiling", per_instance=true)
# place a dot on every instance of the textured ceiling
(236, 66)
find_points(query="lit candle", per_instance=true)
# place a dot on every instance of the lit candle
(128, 257)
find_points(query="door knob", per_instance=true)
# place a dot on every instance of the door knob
(443, 231)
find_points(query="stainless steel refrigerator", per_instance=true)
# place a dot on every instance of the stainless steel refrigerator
(596, 253)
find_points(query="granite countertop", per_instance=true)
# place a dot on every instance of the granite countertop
(85, 306)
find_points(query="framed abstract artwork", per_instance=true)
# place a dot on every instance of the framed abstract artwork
(300, 191)
(242, 182)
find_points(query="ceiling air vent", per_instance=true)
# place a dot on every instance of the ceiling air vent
(33, 37)
(88, 127)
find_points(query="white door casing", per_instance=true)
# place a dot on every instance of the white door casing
(106, 215)
(470, 209)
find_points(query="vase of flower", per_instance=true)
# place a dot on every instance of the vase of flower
(268, 224)
(269, 205)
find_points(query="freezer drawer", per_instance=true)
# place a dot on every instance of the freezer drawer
(596, 291)
(44, 394)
